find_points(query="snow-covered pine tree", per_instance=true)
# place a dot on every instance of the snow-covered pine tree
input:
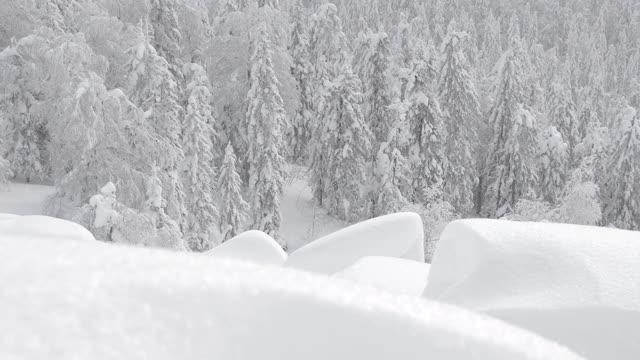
(233, 209)
(302, 71)
(553, 156)
(460, 108)
(166, 32)
(197, 168)
(510, 171)
(342, 150)
(562, 115)
(427, 130)
(153, 88)
(621, 183)
(266, 121)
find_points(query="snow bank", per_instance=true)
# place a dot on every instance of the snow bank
(25, 199)
(65, 300)
(254, 246)
(42, 228)
(577, 285)
(397, 235)
(398, 276)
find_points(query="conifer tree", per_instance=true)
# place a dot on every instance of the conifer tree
(510, 165)
(302, 71)
(340, 157)
(234, 209)
(154, 89)
(562, 115)
(621, 183)
(166, 32)
(266, 121)
(428, 133)
(198, 169)
(553, 165)
(378, 96)
(460, 108)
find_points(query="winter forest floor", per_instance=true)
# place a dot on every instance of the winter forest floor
(302, 220)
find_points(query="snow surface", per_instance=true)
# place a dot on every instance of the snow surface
(43, 228)
(254, 246)
(25, 199)
(302, 220)
(398, 276)
(398, 235)
(577, 285)
(91, 300)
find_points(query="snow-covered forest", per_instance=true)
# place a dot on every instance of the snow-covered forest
(173, 123)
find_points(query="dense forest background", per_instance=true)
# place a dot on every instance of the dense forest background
(191, 110)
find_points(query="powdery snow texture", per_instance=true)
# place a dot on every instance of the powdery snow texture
(42, 228)
(254, 246)
(398, 235)
(395, 275)
(577, 285)
(81, 300)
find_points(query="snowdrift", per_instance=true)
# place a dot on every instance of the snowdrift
(99, 301)
(399, 276)
(577, 285)
(43, 228)
(254, 246)
(398, 235)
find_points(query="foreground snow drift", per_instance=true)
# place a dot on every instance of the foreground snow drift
(577, 285)
(90, 300)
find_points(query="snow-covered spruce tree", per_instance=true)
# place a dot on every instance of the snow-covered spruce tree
(581, 202)
(378, 90)
(391, 171)
(342, 149)
(427, 132)
(167, 232)
(621, 183)
(233, 209)
(5, 173)
(25, 135)
(510, 171)
(266, 121)
(198, 169)
(301, 69)
(553, 156)
(166, 32)
(153, 88)
(460, 108)
(101, 139)
(562, 115)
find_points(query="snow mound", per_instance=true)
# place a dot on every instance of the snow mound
(78, 300)
(398, 276)
(254, 246)
(577, 285)
(398, 235)
(41, 227)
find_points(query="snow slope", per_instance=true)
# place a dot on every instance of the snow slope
(302, 220)
(91, 300)
(25, 199)
(398, 276)
(577, 285)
